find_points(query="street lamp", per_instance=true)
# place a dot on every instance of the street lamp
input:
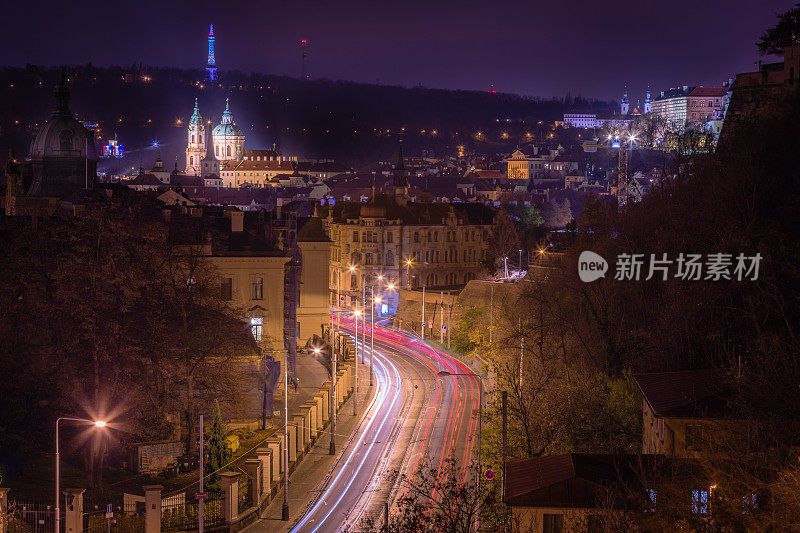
(376, 300)
(408, 262)
(445, 373)
(96, 423)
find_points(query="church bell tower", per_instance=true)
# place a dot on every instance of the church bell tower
(195, 147)
(624, 106)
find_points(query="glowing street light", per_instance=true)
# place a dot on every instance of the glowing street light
(96, 423)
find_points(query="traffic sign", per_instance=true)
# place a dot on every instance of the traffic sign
(444, 326)
(109, 511)
(489, 474)
(201, 496)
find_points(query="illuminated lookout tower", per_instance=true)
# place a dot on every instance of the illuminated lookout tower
(211, 66)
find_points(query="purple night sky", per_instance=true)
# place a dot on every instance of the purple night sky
(537, 48)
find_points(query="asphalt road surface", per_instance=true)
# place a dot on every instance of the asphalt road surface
(418, 418)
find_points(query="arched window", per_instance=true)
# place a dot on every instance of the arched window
(65, 139)
(191, 162)
(217, 150)
(229, 150)
(201, 139)
(192, 138)
(353, 282)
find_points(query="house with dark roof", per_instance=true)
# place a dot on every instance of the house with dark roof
(684, 413)
(580, 492)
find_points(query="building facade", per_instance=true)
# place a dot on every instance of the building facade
(408, 245)
(706, 104)
(672, 105)
(228, 137)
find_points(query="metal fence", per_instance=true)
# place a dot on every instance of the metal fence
(177, 514)
(31, 517)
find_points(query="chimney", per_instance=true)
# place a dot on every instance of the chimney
(237, 221)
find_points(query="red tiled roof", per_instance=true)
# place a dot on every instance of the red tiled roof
(257, 165)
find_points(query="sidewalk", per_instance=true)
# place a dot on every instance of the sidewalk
(311, 473)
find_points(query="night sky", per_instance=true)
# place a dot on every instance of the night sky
(536, 48)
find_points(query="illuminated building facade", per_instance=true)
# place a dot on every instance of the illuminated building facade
(228, 138)
(195, 148)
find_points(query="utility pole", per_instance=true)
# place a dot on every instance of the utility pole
(372, 333)
(441, 319)
(332, 450)
(521, 345)
(201, 500)
(491, 310)
(504, 438)
(285, 510)
(355, 365)
(423, 312)
(449, 315)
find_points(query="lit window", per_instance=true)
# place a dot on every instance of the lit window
(257, 288)
(257, 326)
(700, 501)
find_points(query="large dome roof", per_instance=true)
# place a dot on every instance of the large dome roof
(63, 135)
(227, 128)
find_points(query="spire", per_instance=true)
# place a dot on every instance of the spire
(227, 117)
(625, 95)
(196, 118)
(62, 96)
(400, 175)
(210, 146)
(211, 31)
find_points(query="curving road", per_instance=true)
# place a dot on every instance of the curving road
(416, 419)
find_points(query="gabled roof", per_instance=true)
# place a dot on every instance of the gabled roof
(529, 481)
(709, 91)
(580, 480)
(146, 179)
(690, 394)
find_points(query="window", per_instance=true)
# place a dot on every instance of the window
(257, 326)
(652, 496)
(389, 258)
(355, 236)
(191, 162)
(229, 151)
(552, 523)
(389, 237)
(227, 289)
(353, 282)
(700, 501)
(367, 259)
(416, 236)
(694, 437)
(257, 288)
(435, 236)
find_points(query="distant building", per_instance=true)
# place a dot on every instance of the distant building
(672, 104)
(228, 137)
(683, 412)
(705, 104)
(196, 145)
(757, 95)
(62, 162)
